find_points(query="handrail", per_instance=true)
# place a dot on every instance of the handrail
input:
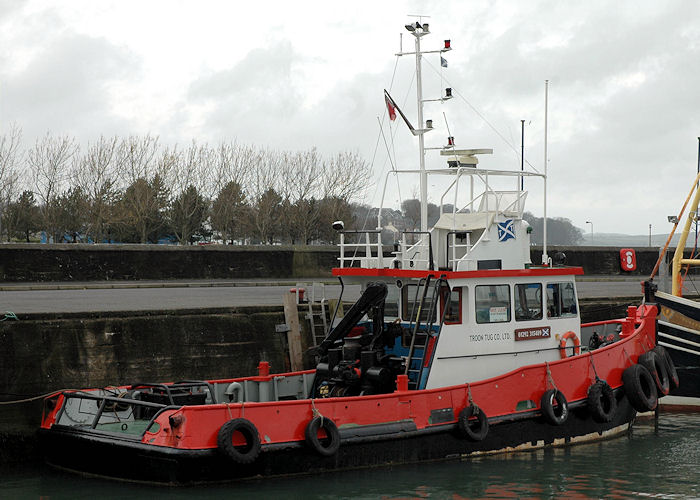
(367, 244)
(429, 261)
(467, 245)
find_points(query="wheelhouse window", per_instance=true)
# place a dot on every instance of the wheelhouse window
(561, 300)
(391, 304)
(410, 300)
(528, 301)
(492, 303)
(451, 303)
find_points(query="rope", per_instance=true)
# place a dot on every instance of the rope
(228, 407)
(629, 358)
(597, 379)
(550, 379)
(470, 400)
(675, 225)
(42, 396)
(9, 315)
(315, 412)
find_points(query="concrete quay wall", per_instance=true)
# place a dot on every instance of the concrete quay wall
(83, 262)
(44, 353)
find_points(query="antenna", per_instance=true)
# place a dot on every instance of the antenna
(545, 258)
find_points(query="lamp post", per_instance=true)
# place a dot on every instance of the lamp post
(649, 234)
(589, 222)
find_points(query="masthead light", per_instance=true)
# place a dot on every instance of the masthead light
(447, 45)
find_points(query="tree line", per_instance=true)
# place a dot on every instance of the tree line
(136, 189)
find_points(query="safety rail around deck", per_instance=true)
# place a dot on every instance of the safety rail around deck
(374, 251)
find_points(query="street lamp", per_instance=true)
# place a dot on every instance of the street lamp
(649, 234)
(589, 222)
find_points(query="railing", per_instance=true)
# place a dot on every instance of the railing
(109, 413)
(368, 245)
(452, 262)
(419, 252)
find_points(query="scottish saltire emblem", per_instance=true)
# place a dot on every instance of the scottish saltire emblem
(506, 230)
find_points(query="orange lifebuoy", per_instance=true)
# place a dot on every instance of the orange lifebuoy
(562, 344)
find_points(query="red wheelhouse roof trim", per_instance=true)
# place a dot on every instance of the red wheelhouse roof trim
(490, 273)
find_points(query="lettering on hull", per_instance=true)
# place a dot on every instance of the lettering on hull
(543, 332)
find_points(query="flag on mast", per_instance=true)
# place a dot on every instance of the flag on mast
(390, 106)
(393, 109)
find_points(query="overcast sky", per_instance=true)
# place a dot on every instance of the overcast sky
(624, 96)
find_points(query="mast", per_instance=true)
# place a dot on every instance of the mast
(545, 258)
(522, 154)
(419, 30)
(421, 140)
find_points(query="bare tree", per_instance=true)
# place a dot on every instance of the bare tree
(136, 158)
(345, 176)
(231, 163)
(10, 159)
(98, 173)
(49, 161)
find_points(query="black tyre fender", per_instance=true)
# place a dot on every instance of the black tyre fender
(601, 401)
(640, 388)
(554, 414)
(657, 367)
(673, 380)
(327, 446)
(242, 454)
(473, 423)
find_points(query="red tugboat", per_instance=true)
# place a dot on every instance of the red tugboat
(459, 345)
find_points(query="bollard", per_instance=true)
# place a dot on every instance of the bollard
(401, 383)
(263, 369)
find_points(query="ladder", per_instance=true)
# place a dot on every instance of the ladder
(317, 314)
(416, 360)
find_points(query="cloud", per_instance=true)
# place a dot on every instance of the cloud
(264, 99)
(261, 85)
(68, 87)
(622, 120)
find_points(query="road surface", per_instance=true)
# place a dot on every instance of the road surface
(140, 296)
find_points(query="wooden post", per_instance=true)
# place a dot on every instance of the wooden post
(291, 317)
(332, 303)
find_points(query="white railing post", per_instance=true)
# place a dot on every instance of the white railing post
(380, 250)
(342, 250)
(368, 248)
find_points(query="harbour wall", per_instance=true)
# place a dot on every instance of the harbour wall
(48, 352)
(42, 353)
(83, 262)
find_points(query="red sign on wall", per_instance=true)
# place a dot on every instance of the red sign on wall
(628, 259)
(543, 332)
